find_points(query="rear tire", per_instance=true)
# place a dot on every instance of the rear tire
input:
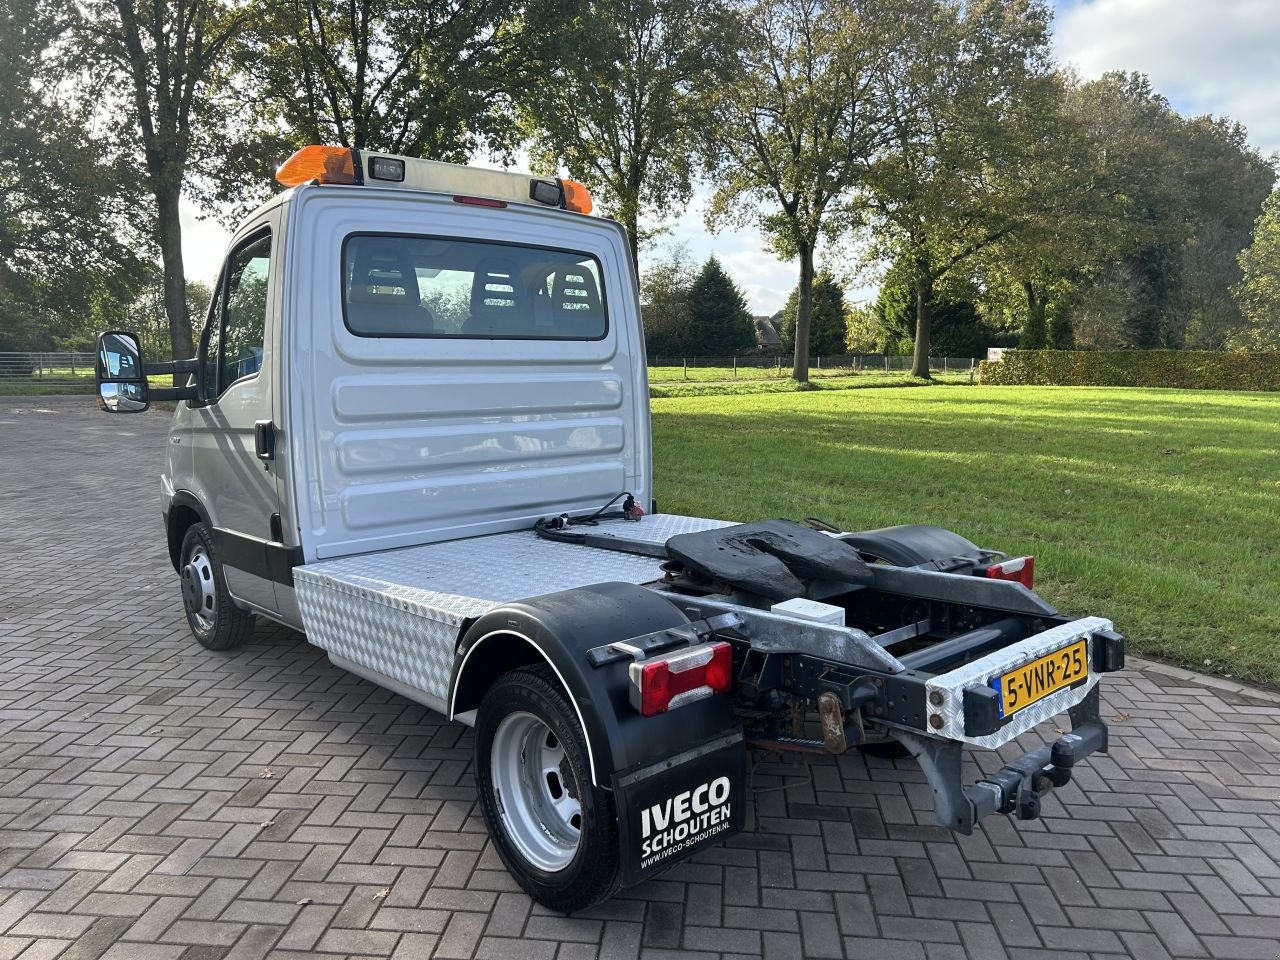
(212, 615)
(556, 833)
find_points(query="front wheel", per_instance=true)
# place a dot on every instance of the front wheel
(554, 830)
(213, 617)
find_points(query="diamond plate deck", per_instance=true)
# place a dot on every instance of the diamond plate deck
(400, 612)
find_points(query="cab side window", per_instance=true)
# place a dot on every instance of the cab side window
(211, 349)
(244, 314)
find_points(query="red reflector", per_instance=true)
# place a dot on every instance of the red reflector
(1021, 569)
(692, 674)
(480, 201)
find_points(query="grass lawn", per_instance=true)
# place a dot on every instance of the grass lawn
(1159, 509)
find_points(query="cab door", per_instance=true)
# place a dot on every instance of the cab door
(233, 421)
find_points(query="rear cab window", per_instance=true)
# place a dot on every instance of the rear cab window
(401, 285)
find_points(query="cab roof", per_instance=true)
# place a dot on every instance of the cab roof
(344, 165)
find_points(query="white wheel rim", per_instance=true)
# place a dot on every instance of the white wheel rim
(536, 792)
(199, 592)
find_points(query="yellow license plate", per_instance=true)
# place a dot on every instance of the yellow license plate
(1034, 681)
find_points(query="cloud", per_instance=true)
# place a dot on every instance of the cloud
(1220, 57)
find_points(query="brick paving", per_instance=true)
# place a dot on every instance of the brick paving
(161, 801)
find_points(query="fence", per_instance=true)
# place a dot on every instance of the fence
(46, 367)
(761, 366)
(63, 367)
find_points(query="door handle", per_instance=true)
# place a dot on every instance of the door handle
(264, 439)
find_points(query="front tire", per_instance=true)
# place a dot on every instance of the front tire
(556, 833)
(213, 617)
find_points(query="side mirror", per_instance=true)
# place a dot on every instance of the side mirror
(122, 381)
(122, 397)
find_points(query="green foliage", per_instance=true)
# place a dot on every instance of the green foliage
(1035, 332)
(664, 298)
(1182, 369)
(957, 328)
(1259, 291)
(719, 321)
(1061, 332)
(430, 79)
(67, 227)
(141, 311)
(624, 112)
(163, 70)
(828, 325)
(796, 127)
(863, 332)
(969, 103)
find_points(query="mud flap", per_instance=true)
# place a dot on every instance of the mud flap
(669, 810)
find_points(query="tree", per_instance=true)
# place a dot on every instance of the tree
(143, 312)
(864, 332)
(958, 330)
(828, 322)
(168, 54)
(664, 298)
(624, 112)
(67, 229)
(1224, 182)
(720, 323)
(1259, 292)
(796, 128)
(966, 105)
(1091, 196)
(1099, 308)
(430, 79)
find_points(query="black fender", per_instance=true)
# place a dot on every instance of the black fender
(912, 545)
(559, 629)
(182, 500)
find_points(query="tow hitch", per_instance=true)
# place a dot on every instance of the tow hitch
(1018, 786)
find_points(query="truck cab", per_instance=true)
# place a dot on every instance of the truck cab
(417, 429)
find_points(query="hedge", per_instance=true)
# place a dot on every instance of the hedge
(1184, 369)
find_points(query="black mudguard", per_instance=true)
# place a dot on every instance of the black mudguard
(678, 778)
(563, 627)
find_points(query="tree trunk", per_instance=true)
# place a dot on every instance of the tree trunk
(169, 232)
(804, 316)
(1035, 333)
(924, 322)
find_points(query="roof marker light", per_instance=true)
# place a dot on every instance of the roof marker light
(576, 197)
(546, 191)
(325, 164)
(387, 168)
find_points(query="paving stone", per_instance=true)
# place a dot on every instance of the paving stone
(137, 821)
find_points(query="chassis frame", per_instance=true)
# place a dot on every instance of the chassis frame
(861, 689)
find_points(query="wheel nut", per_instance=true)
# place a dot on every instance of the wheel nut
(935, 721)
(937, 698)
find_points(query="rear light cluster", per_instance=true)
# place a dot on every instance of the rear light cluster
(694, 673)
(1021, 569)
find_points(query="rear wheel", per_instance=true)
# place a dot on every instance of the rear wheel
(213, 617)
(554, 830)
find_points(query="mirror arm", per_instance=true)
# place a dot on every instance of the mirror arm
(172, 366)
(172, 393)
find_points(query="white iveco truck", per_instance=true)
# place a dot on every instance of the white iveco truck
(417, 428)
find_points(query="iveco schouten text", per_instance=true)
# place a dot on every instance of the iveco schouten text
(417, 428)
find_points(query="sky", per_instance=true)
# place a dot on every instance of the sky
(1206, 56)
